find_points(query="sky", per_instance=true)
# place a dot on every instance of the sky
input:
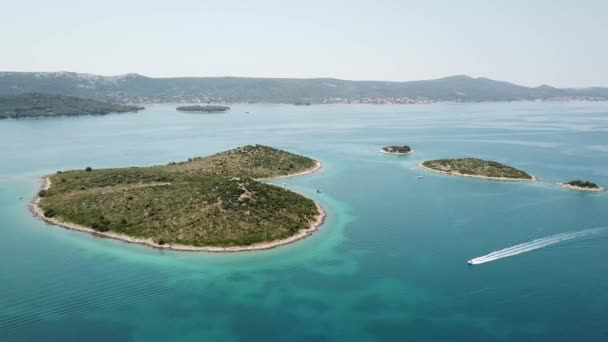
(533, 42)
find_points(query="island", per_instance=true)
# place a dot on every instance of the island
(32, 105)
(216, 203)
(582, 186)
(397, 149)
(472, 167)
(203, 109)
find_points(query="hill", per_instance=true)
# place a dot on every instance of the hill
(204, 202)
(132, 88)
(41, 105)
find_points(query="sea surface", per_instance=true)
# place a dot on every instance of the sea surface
(389, 264)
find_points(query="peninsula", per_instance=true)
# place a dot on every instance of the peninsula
(33, 105)
(472, 167)
(203, 109)
(214, 203)
(397, 149)
(582, 186)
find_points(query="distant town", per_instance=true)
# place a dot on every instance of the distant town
(328, 100)
(135, 89)
(377, 100)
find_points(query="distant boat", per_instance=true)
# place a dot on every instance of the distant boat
(19, 198)
(319, 191)
(246, 112)
(420, 177)
(284, 184)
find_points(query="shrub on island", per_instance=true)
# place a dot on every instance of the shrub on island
(397, 149)
(211, 201)
(49, 213)
(476, 167)
(583, 184)
(32, 105)
(203, 109)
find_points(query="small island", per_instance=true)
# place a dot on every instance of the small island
(33, 105)
(215, 203)
(582, 186)
(203, 109)
(472, 167)
(397, 149)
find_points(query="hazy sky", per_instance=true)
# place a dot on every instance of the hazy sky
(562, 43)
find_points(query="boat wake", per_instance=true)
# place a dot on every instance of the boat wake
(532, 245)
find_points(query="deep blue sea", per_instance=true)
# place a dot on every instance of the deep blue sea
(388, 265)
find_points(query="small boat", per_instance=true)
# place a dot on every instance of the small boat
(319, 191)
(284, 183)
(246, 112)
(19, 198)
(420, 177)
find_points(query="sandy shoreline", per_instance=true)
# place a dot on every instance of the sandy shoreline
(303, 233)
(397, 153)
(534, 178)
(576, 188)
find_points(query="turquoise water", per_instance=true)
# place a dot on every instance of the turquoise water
(390, 263)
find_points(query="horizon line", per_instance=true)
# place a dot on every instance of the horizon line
(293, 78)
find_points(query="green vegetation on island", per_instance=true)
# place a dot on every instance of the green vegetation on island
(43, 105)
(397, 149)
(583, 184)
(210, 201)
(203, 109)
(477, 168)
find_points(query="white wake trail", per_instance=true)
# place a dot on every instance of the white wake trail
(532, 245)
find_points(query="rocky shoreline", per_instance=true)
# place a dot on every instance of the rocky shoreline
(303, 233)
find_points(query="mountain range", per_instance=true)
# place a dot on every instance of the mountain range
(132, 88)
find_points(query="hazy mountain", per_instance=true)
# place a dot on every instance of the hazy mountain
(137, 88)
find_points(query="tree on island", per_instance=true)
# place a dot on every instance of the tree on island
(583, 184)
(302, 103)
(476, 167)
(397, 149)
(205, 109)
(209, 201)
(44, 105)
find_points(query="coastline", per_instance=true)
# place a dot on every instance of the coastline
(398, 153)
(301, 234)
(318, 166)
(533, 179)
(577, 188)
